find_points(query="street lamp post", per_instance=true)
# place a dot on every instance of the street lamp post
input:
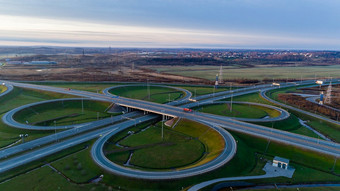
(55, 130)
(162, 127)
(231, 103)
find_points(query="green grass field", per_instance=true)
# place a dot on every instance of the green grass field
(239, 110)
(260, 73)
(63, 113)
(191, 144)
(198, 91)
(157, 94)
(45, 179)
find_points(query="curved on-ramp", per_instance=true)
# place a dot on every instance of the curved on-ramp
(9, 120)
(283, 113)
(227, 154)
(186, 97)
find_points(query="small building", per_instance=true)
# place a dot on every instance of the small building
(280, 162)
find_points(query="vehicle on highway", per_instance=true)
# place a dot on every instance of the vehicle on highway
(187, 110)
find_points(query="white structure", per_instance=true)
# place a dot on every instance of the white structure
(281, 162)
(328, 94)
(320, 82)
(321, 99)
(216, 81)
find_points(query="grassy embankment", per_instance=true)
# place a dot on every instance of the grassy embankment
(157, 94)
(188, 144)
(2, 88)
(63, 113)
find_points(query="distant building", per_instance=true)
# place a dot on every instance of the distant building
(280, 162)
(14, 62)
(33, 62)
(40, 62)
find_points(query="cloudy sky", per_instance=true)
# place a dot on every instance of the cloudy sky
(265, 24)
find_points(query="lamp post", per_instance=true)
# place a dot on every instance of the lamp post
(55, 130)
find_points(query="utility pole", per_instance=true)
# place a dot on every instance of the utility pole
(195, 93)
(55, 131)
(231, 103)
(148, 88)
(334, 164)
(169, 98)
(162, 127)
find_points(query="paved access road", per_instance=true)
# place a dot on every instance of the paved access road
(314, 98)
(271, 172)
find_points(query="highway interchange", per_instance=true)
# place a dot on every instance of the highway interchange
(84, 132)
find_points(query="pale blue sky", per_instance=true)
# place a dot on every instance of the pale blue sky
(282, 24)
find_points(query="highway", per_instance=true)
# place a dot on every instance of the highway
(78, 129)
(264, 132)
(81, 128)
(56, 147)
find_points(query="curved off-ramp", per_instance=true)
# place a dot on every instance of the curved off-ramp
(226, 155)
(9, 120)
(186, 97)
(283, 113)
(263, 94)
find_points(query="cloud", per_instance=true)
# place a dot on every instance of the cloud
(56, 32)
